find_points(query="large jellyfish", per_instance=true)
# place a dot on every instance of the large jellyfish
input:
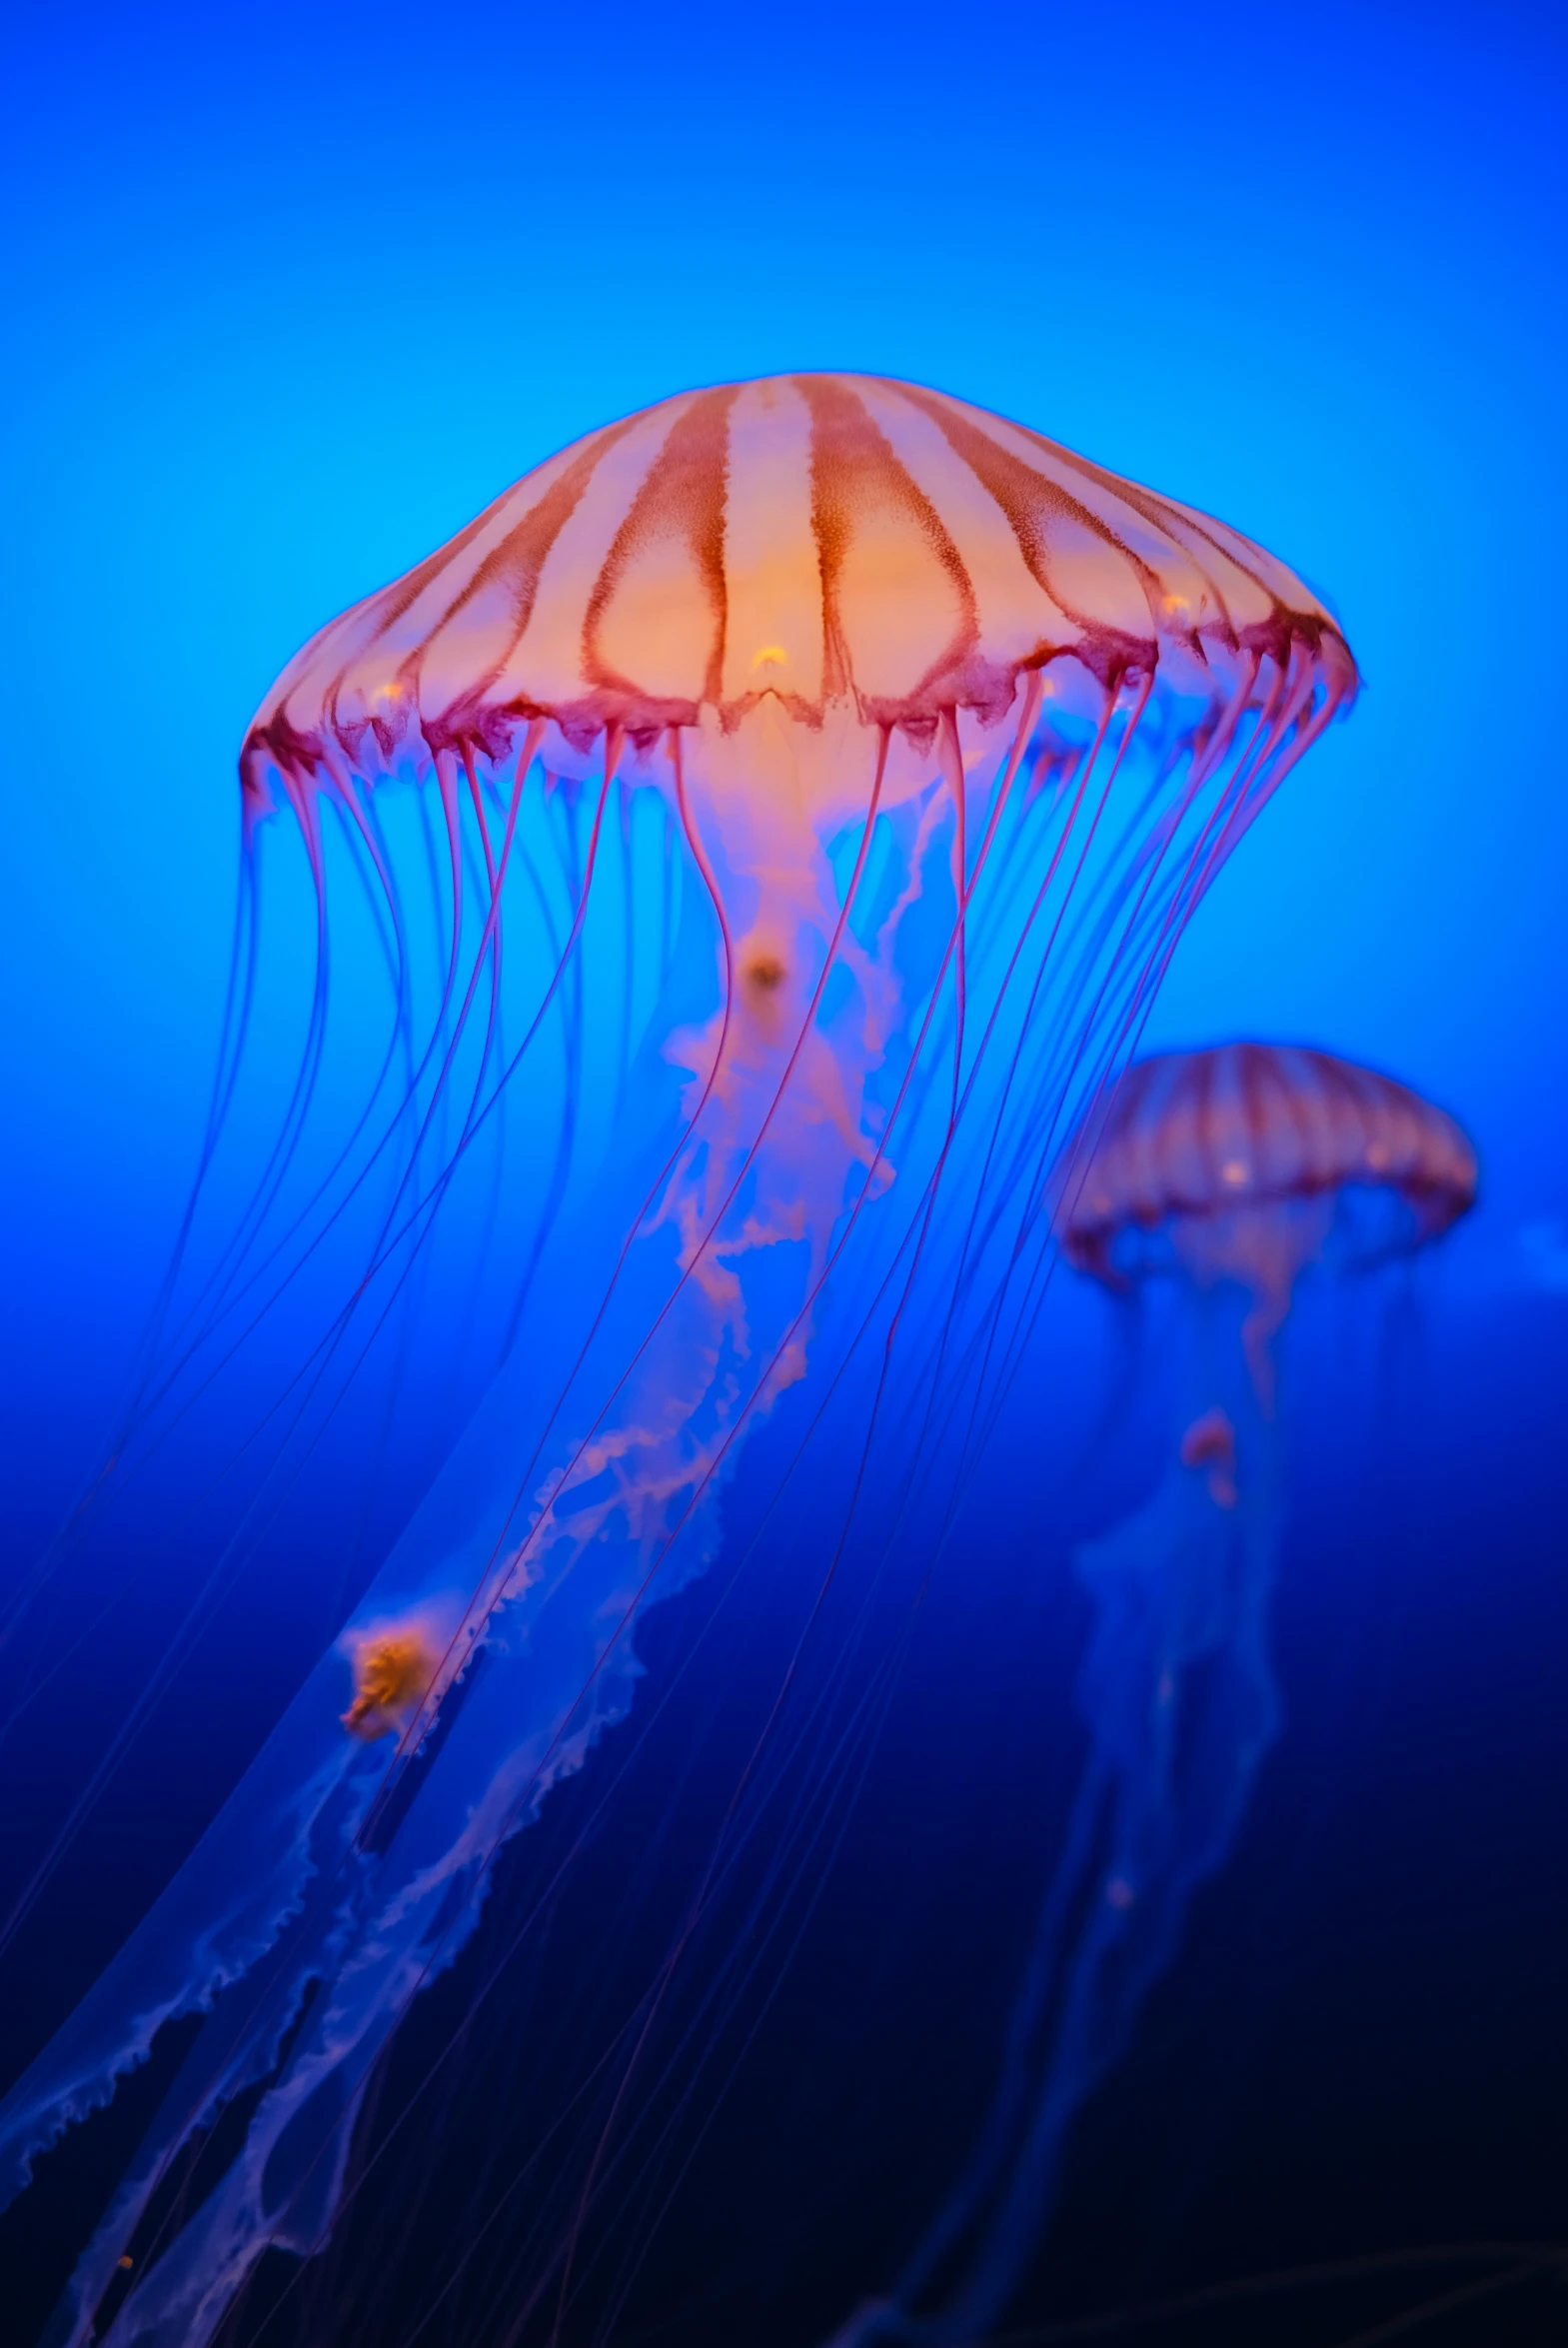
(1233, 1170)
(835, 766)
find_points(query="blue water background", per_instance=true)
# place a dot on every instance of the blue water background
(289, 298)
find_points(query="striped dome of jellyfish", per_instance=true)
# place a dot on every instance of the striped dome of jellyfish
(1197, 1133)
(774, 814)
(853, 555)
(1231, 1169)
(1249, 1161)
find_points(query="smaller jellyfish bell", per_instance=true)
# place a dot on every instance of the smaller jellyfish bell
(1244, 1129)
(1246, 1163)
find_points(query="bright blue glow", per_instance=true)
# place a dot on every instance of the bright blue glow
(296, 295)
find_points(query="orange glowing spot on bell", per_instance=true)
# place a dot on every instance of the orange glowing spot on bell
(1233, 1172)
(1210, 1441)
(392, 1670)
(770, 656)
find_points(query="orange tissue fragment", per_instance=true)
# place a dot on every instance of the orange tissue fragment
(391, 1673)
(1210, 1441)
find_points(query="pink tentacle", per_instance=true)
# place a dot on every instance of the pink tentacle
(302, 791)
(447, 784)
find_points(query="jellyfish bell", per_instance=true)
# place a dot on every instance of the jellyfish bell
(1243, 1129)
(1248, 1162)
(836, 553)
(802, 593)
(826, 770)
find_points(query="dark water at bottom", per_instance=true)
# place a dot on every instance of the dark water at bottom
(1358, 2067)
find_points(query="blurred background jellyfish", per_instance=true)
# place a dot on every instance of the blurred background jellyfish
(782, 804)
(1232, 1170)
